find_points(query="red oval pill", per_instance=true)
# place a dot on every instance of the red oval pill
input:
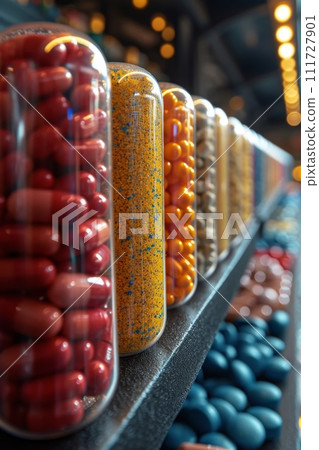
(52, 110)
(43, 141)
(84, 124)
(83, 183)
(85, 97)
(55, 417)
(98, 378)
(99, 203)
(77, 290)
(25, 273)
(104, 352)
(53, 388)
(83, 353)
(29, 317)
(14, 170)
(42, 179)
(28, 240)
(43, 48)
(49, 80)
(88, 151)
(97, 260)
(42, 358)
(39, 205)
(93, 233)
(84, 324)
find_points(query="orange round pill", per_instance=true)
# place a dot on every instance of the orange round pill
(179, 293)
(189, 288)
(180, 170)
(173, 268)
(187, 267)
(174, 246)
(188, 246)
(167, 167)
(191, 214)
(185, 147)
(172, 151)
(182, 197)
(186, 132)
(181, 113)
(170, 299)
(172, 209)
(170, 283)
(172, 129)
(184, 281)
(191, 230)
(170, 100)
(191, 258)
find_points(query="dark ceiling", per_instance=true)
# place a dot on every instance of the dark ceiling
(223, 48)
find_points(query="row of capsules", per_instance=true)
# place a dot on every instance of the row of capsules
(64, 256)
(58, 365)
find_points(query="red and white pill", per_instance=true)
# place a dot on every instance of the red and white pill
(78, 290)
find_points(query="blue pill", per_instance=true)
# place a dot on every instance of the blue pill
(257, 322)
(265, 349)
(218, 439)
(250, 355)
(219, 342)
(276, 369)
(202, 417)
(197, 392)
(245, 338)
(177, 434)
(242, 374)
(233, 395)
(276, 343)
(259, 333)
(247, 431)
(271, 421)
(200, 377)
(225, 409)
(230, 352)
(279, 323)
(211, 383)
(263, 393)
(215, 364)
(229, 332)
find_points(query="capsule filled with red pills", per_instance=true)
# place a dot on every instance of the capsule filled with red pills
(58, 358)
(179, 173)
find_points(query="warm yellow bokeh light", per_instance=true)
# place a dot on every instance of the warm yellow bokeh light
(167, 51)
(292, 107)
(296, 173)
(97, 23)
(237, 103)
(284, 33)
(286, 50)
(289, 75)
(294, 118)
(158, 23)
(140, 4)
(283, 12)
(288, 64)
(132, 55)
(168, 33)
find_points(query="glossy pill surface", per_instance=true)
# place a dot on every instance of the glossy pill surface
(263, 393)
(247, 431)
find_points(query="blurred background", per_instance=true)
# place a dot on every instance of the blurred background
(241, 55)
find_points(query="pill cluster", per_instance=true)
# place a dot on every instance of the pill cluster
(56, 343)
(234, 401)
(138, 163)
(265, 286)
(179, 175)
(206, 195)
